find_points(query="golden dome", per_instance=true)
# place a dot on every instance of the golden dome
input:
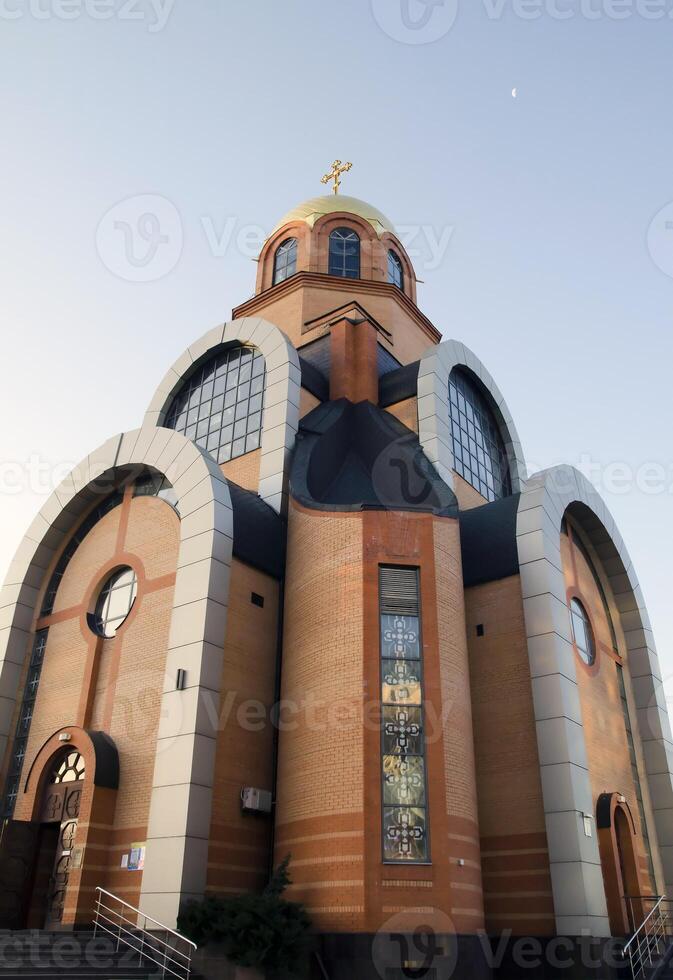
(316, 207)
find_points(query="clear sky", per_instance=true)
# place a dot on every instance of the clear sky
(540, 221)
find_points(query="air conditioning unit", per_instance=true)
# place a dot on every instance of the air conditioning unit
(255, 800)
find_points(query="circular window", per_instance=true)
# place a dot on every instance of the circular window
(115, 601)
(583, 635)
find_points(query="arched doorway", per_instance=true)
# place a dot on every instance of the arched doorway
(64, 810)
(58, 815)
(619, 862)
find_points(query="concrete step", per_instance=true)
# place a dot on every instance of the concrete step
(80, 955)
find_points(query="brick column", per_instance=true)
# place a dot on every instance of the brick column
(353, 368)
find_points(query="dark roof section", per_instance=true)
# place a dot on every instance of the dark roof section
(355, 457)
(399, 384)
(488, 541)
(259, 532)
(314, 380)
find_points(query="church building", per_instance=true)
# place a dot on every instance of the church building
(315, 605)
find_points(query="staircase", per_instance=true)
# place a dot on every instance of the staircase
(649, 951)
(37, 953)
(123, 944)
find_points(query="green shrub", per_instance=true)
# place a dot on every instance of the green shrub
(263, 931)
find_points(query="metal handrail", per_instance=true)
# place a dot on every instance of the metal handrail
(116, 923)
(649, 939)
(133, 931)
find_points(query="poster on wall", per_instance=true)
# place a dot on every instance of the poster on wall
(136, 860)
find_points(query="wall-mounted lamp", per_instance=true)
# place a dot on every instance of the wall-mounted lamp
(180, 679)
(587, 818)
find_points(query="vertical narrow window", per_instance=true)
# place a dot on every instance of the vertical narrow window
(285, 260)
(634, 771)
(395, 273)
(344, 253)
(403, 778)
(23, 724)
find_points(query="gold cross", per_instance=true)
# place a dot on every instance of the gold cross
(337, 169)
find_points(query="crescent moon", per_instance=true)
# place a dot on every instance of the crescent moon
(514, 93)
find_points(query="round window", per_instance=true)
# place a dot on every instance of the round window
(583, 635)
(115, 601)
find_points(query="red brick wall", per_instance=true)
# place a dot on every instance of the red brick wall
(110, 684)
(517, 884)
(239, 848)
(602, 715)
(329, 809)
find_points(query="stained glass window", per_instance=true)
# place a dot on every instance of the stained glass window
(285, 260)
(478, 450)
(404, 835)
(344, 253)
(403, 778)
(220, 407)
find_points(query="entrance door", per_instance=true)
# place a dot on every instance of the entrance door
(616, 833)
(628, 871)
(60, 810)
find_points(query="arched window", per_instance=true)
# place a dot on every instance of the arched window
(583, 634)
(395, 272)
(68, 768)
(478, 450)
(220, 406)
(285, 260)
(344, 253)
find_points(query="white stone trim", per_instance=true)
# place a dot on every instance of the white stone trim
(178, 829)
(433, 410)
(281, 396)
(577, 881)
